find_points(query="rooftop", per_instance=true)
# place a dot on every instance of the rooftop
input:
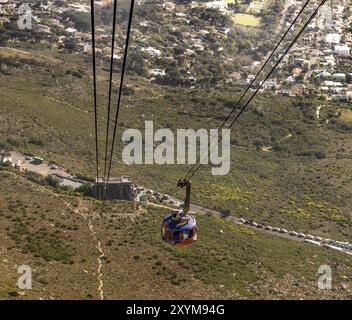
(112, 180)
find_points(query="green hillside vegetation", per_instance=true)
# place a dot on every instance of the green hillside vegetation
(228, 261)
(298, 184)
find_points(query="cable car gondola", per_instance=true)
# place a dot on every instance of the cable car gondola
(179, 227)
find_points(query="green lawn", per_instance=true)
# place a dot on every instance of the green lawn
(246, 19)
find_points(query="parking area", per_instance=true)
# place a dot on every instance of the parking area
(37, 165)
(26, 162)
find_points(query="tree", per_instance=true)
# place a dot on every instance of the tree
(82, 21)
(86, 189)
(137, 64)
(70, 45)
(52, 181)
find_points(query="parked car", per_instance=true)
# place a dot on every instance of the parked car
(37, 161)
(301, 235)
(181, 205)
(268, 228)
(259, 226)
(164, 197)
(275, 229)
(339, 244)
(242, 220)
(283, 231)
(318, 239)
(293, 233)
(254, 224)
(53, 167)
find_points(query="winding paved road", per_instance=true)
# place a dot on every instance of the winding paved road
(195, 208)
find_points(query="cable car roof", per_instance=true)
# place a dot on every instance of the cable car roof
(191, 222)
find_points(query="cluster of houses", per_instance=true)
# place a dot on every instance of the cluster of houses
(319, 60)
(322, 59)
(7, 9)
(51, 18)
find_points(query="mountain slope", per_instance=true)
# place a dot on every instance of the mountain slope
(76, 251)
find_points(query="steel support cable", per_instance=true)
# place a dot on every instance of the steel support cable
(120, 92)
(110, 86)
(94, 88)
(253, 80)
(268, 75)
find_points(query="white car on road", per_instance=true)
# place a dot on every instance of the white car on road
(301, 235)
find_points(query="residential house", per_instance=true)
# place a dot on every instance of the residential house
(269, 85)
(333, 38)
(341, 97)
(219, 5)
(342, 50)
(339, 76)
(152, 51)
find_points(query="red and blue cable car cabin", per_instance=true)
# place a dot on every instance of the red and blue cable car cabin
(179, 229)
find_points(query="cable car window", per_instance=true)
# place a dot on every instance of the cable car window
(191, 233)
(167, 233)
(176, 236)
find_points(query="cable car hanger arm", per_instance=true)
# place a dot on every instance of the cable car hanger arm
(187, 184)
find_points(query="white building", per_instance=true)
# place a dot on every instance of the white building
(157, 72)
(6, 159)
(342, 50)
(324, 74)
(152, 51)
(339, 76)
(328, 83)
(250, 78)
(333, 38)
(270, 84)
(71, 30)
(219, 5)
(328, 60)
